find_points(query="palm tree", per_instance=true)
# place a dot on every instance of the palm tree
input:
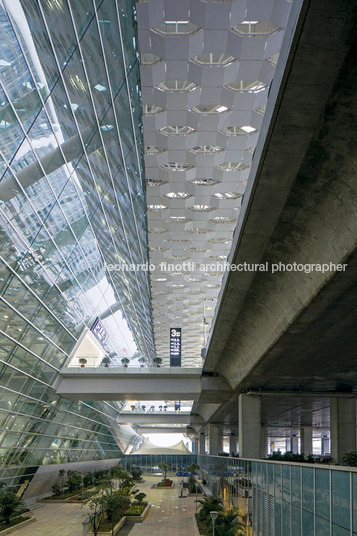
(227, 524)
(208, 504)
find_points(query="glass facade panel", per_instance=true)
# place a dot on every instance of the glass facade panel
(262, 492)
(73, 202)
(308, 489)
(341, 499)
(322, 493)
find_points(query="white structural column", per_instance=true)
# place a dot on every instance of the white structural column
(202, 443)
(233, 443)
(342, 427)
(306, 440)
(196, 445)
(249, 409)
(325, 445)
(215, 439)
(263, 443)
(294, 444)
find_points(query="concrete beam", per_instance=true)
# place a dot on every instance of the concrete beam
(166, 417)
(129, 384)
(287, 330)
(162, 430)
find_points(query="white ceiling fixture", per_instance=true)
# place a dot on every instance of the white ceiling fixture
(176, 130)
(247, 86)
(213, 60)
(227, 195)
(206, 66)
(254, 28)
(178, 86)
(177, 195)
(209, 109)
(238, 131)
(206, 149)
(176, 28)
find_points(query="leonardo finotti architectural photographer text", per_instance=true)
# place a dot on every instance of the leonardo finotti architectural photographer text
(190, 266)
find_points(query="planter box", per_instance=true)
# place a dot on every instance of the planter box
(196, 532)
(117, 528)
(163, 487)
(121, 523)
(139, 519)
(19, 525)
(71, 499)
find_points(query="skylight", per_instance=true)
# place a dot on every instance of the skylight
(204, 182)
(176, 28)
(176, 130)
(209, 109)
(153, 149)
(151, 109)
(149, 59)
(177, 166)
(223, 219)
(201, 208)
(217, 240)
(206, 149)
(213, 60)
(176, 86)
(155, 182)
(232, 166)
(227, 195)
(238, 131)
(177, 195)
(156, 207)
(254, 28)
(246, 86)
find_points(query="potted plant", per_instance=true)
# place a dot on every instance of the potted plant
(82, 361)
(157, 361)
(142, 361)
(106, 361)
(125, 362)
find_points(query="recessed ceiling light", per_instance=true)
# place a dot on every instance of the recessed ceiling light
(248, 128)
(176, 130)
(156, 207)
(177, 195)
(227, 195)
(204, 182)
(213, 60)
(200, 208)
(238, 131)
(246, 86)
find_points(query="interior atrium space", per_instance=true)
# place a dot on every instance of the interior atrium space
(178, 267)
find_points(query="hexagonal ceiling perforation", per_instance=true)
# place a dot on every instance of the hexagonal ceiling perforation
(206, 67)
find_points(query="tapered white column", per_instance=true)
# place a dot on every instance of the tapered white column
(342, 427)
(306, 440)
(215, 439)
(249, 426)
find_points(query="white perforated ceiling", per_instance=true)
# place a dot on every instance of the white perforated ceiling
(206, 67)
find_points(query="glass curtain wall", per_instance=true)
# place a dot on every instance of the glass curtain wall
(72, 202)
(286, 499)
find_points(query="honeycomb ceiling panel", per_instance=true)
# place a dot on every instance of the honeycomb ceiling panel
(206, 68)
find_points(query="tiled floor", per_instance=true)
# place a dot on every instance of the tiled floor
(169, 515)
(55, 520)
